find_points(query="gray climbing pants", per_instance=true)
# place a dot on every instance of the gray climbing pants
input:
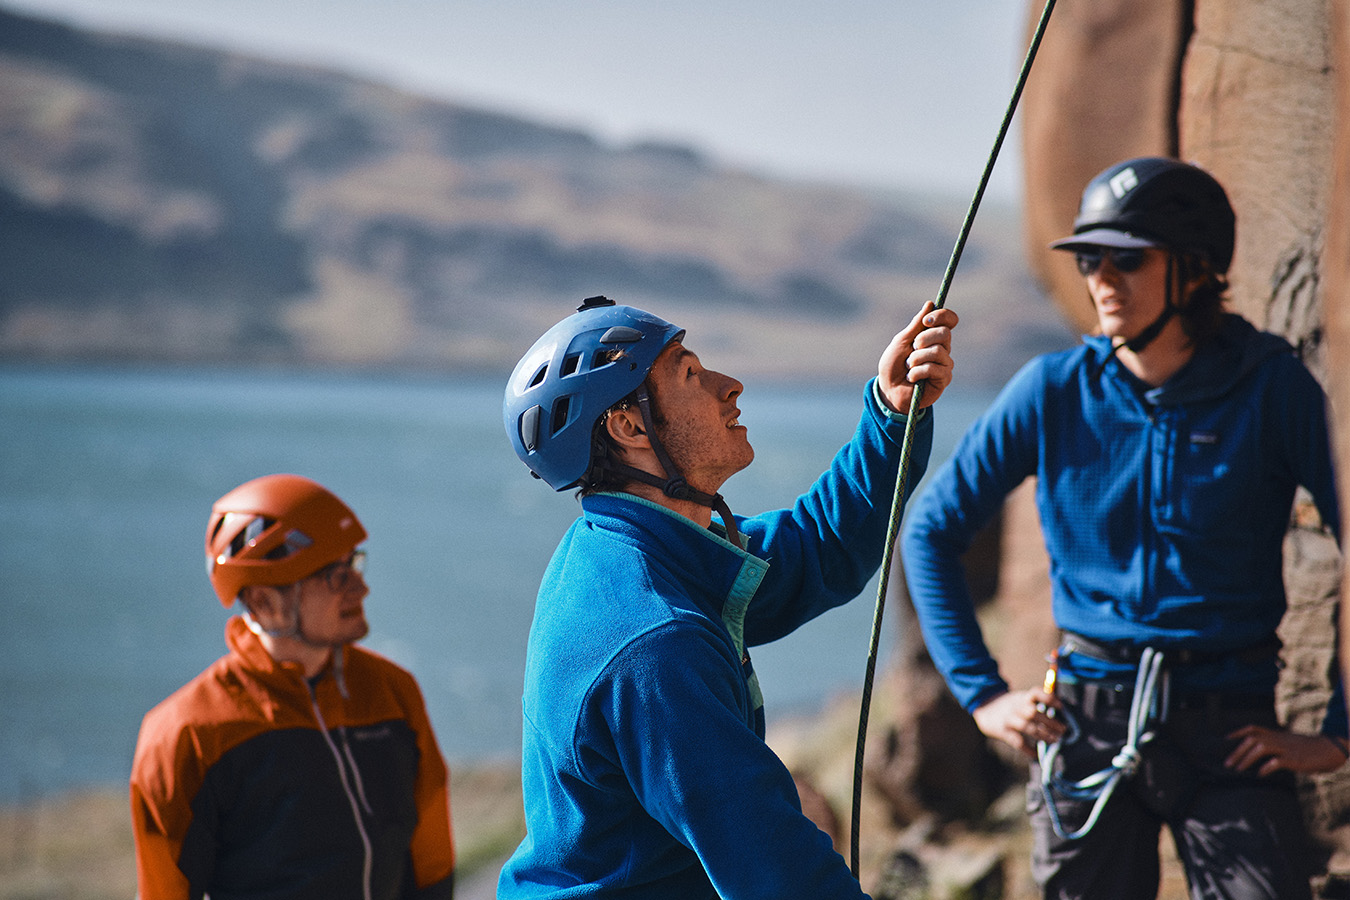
(1239, 836)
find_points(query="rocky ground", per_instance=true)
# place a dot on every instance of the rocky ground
(79, 846)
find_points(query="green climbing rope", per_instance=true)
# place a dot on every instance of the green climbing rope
(906, 447)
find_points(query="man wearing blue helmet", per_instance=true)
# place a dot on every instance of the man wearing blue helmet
(644, 766)
(1166, 451)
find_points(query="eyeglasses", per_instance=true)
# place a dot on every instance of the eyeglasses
(1124, 259)
(339, 575)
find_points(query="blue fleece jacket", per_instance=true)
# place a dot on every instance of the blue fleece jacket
(1163, 509)
(644, 767)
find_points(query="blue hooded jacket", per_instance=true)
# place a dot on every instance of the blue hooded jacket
(1164, 510)
(644, 766)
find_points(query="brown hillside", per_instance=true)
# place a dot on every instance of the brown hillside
(168, 202)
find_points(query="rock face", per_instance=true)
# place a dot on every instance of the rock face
(1103, 88)
(1258, 94)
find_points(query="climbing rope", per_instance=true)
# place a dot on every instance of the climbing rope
(1099, 786)
(906, 446)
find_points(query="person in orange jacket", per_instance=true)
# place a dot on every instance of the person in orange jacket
(298, 765)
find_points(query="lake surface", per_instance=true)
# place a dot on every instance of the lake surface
(107, 477)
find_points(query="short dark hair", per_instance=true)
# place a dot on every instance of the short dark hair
(600, 477)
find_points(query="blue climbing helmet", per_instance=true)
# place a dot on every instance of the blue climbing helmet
(576, 371)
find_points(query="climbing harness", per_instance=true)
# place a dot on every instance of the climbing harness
(1148, 705)
(907, 444)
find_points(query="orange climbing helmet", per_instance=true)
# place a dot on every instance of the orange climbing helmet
(276, 530)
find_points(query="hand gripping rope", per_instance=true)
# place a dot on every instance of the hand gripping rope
(907, 445)
(1100, 785)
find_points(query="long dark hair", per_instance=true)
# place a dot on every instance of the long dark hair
(1202, 310)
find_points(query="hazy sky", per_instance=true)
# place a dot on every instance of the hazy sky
(893, 93)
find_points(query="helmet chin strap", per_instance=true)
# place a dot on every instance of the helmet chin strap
(1141, 340)
(296, 632)
(674, 485)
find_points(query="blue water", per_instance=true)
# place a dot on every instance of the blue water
(106, 478)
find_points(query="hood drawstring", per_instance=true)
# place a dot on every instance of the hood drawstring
(340, 669)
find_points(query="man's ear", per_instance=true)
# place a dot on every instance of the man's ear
(264, 602)
(627, 430)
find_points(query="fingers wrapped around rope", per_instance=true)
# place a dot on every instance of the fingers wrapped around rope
(921, 352)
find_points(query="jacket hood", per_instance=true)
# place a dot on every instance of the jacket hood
(1220, 363)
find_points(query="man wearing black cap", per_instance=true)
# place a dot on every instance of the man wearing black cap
(1166, 451)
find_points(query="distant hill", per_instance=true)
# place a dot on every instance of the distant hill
(165, 202)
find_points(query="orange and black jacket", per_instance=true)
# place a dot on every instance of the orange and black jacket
(251, 782)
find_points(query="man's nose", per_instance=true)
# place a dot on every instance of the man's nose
(356, 582)
(731, 387)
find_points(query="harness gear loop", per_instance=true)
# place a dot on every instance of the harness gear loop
(906, 448)
(1147, 706)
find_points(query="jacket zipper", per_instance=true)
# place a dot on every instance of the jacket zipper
(352, 798)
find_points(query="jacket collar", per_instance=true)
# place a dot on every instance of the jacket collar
(697, 556)
(713, 569)
(1218, 364)
(248, 648)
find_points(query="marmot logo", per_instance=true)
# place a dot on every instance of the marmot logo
(374, 733)
(1123, 182)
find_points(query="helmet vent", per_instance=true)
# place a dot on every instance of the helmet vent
(562, 408)
(569, 365)
(538, 378)
(296, 540)
(247, 536)
(604, 357)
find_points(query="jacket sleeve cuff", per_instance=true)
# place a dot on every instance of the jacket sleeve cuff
(886, 409)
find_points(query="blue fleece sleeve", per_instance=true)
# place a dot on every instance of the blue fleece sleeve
(824, 550)
(996, 454)
(701, 773)
(1306, 441)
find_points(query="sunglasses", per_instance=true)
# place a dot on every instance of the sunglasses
(1124, 259)
(340, 575)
